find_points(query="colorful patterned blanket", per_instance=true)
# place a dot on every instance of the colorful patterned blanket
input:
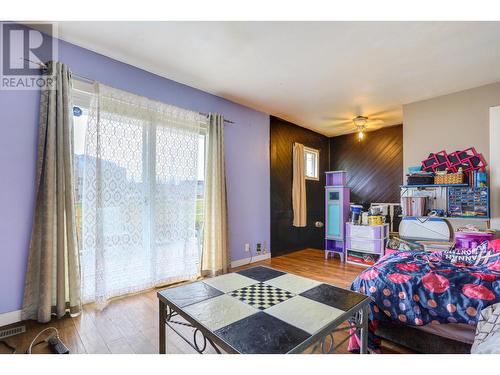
(418, 288)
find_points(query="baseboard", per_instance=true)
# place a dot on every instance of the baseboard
(256, 258)
(15, 316)
(10, 318)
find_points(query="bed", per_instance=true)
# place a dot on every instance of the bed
(429, 339)
(418, 289)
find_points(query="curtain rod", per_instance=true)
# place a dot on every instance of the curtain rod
(89, 80)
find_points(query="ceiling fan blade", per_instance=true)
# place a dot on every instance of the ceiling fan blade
(344, 119)
(384, 113)
(375, 121)
(343, 123)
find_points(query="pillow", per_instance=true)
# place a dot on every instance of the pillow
(481, 254)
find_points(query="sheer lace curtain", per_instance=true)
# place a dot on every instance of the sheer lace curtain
(140, 192)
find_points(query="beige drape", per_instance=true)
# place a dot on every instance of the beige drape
(52, 283)
(299, 187)
(215, 256)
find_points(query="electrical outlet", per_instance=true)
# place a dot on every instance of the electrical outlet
(258, 247)
(264, 248)
(247, 248)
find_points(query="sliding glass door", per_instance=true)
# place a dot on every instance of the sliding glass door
(140, 173)
(177, 193)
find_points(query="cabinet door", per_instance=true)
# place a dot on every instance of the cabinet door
(335, 221)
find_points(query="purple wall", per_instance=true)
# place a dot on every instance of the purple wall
(247, 160)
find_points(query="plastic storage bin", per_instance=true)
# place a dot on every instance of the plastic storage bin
(375, 232)
(362, 259)
(469, 240)
(365, 244)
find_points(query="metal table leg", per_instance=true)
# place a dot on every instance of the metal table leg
(364, 330)
(161, 326)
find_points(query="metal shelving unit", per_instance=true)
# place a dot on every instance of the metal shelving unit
(485, 218)
(443, 201)
(433, 185)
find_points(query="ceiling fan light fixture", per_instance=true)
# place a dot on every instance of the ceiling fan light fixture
(360, 121)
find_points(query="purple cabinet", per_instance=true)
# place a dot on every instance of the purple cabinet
(336, 178)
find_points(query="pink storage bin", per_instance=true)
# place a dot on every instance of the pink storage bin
(469, 240)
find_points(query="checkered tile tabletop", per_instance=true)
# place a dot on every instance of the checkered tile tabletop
(261, 295)
(262, 310)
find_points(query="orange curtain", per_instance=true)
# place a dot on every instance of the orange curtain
(299, 187)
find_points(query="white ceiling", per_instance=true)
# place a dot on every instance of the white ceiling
(315, 74)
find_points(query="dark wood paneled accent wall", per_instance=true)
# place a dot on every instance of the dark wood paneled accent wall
(286, 238)
(374, 166)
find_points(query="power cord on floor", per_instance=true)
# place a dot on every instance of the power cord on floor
(8, 346)
(251, 256)
(32, 345)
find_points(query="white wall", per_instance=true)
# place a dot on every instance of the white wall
(453, 122)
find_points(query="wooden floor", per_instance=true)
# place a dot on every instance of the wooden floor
(130, 324)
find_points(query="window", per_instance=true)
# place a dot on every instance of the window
(311, 162)
(139, 199)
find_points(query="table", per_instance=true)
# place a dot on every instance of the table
(261, 310)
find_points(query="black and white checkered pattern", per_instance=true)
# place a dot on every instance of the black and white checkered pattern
(261, 295)
(301, 312)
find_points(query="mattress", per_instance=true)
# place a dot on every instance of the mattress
(454, 331)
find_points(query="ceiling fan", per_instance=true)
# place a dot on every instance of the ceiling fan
(359, 123)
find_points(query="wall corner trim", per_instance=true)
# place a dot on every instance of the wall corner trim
(244, 261)
(10, 317)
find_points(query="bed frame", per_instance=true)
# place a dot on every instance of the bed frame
(420, 341)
